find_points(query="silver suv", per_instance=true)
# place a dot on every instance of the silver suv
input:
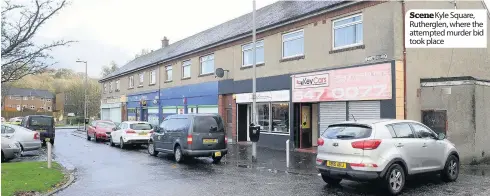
(384, 150)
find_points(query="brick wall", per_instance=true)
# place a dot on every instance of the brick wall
(227, 102)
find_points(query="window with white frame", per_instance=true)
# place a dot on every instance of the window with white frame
(186, 69)
(33, 107)
(42, 108)
(131, 81)
(247, 53)
(105, 88)
(117, 85)
(111, 87)
(49, 108)
(142, 79)
(48, 100)
(25, 98)
(293, 44)
(10, 97)
(17, 98)
(207, 64)
(32, 98)
(153, 77)
(347, 31)
(168, 73)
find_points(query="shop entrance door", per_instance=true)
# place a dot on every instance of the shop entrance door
(303, 125)
(242, 121)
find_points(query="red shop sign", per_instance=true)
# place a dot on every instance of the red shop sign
(373, 82)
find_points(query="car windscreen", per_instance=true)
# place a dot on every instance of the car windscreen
(105, 125)
(347, 131)
(140, 126)
(41, 121)
(208, 124)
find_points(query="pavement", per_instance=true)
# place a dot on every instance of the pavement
(105, 170)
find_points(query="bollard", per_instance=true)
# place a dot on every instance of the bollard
(49, 151)
(287, 153)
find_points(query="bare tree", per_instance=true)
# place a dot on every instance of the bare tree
(106, 70)
(20, 56)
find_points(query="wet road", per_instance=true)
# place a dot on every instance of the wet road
(105, 170)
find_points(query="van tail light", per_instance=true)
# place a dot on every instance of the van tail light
(363, 165)
(189, 139)
(36, 135)
(366, 144)
(320, 141)
(226, 140)
(151, 132)
(130, 131)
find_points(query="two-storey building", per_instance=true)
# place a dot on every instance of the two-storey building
(318, 62)
(22, 99)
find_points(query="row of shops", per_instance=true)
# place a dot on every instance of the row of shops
(295, 107)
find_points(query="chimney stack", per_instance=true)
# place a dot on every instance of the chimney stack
(164, 42)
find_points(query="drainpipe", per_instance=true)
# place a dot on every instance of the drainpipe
(404, 64)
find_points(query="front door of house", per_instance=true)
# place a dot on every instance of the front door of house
(305, 126)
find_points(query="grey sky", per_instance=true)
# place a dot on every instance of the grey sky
(116, 30)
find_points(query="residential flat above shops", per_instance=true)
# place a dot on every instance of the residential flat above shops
(318, 62)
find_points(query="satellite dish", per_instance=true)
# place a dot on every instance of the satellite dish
(219, 72)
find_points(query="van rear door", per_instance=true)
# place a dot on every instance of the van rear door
(208, 133)
(42, 124)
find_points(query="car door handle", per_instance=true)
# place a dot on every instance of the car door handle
(399, 145)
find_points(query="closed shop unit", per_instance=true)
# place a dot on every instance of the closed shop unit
(115, 115)
(331, 112)
(340, 94)
(105, 114)
(364, 110)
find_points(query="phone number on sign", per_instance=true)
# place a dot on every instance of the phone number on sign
(348, 93)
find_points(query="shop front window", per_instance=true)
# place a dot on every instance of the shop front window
(280, 117)
(263, 116)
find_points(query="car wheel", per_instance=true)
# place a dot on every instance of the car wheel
(3, 158)
(51, 141)
(111, 142)
(331, 181)
(179, 157)
(151, 149)
(96, 139)
(88, 137)
(121, 143)
(395, 179)
(451, 170)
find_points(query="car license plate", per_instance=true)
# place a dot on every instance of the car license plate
(142, 133)
(217, 154)
(210, 141)
(336, 164)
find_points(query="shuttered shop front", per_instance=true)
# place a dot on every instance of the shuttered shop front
(105, 114)
(363, 110)
(332, 112)
(115, 115)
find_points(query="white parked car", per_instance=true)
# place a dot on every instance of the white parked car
(29, 140)
(131, 133)
(10, 149)
(385, 150)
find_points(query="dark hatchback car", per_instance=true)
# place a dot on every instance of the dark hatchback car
(42, 124)
(190, 135)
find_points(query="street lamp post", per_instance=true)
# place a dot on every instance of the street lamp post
(254, 83)
(85, 95)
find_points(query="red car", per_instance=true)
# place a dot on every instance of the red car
(100, 130)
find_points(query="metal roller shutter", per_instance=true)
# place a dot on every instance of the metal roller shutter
(364, 110)
(332, 112)
(115, 115)
(105, 114)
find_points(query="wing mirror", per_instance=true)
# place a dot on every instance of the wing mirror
(114, 129)
(441, 136)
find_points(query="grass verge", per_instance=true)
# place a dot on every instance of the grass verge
(24, 177)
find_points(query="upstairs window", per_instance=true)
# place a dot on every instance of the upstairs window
(347, 31)
(25, 98)
(131, 82)
(105, 88)
(207, 64)
(186, 69)
(142, 79)
(117, 85)
(168, 73)
(247, 53)
(111, 87)
(153, 77)
(293, 44)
